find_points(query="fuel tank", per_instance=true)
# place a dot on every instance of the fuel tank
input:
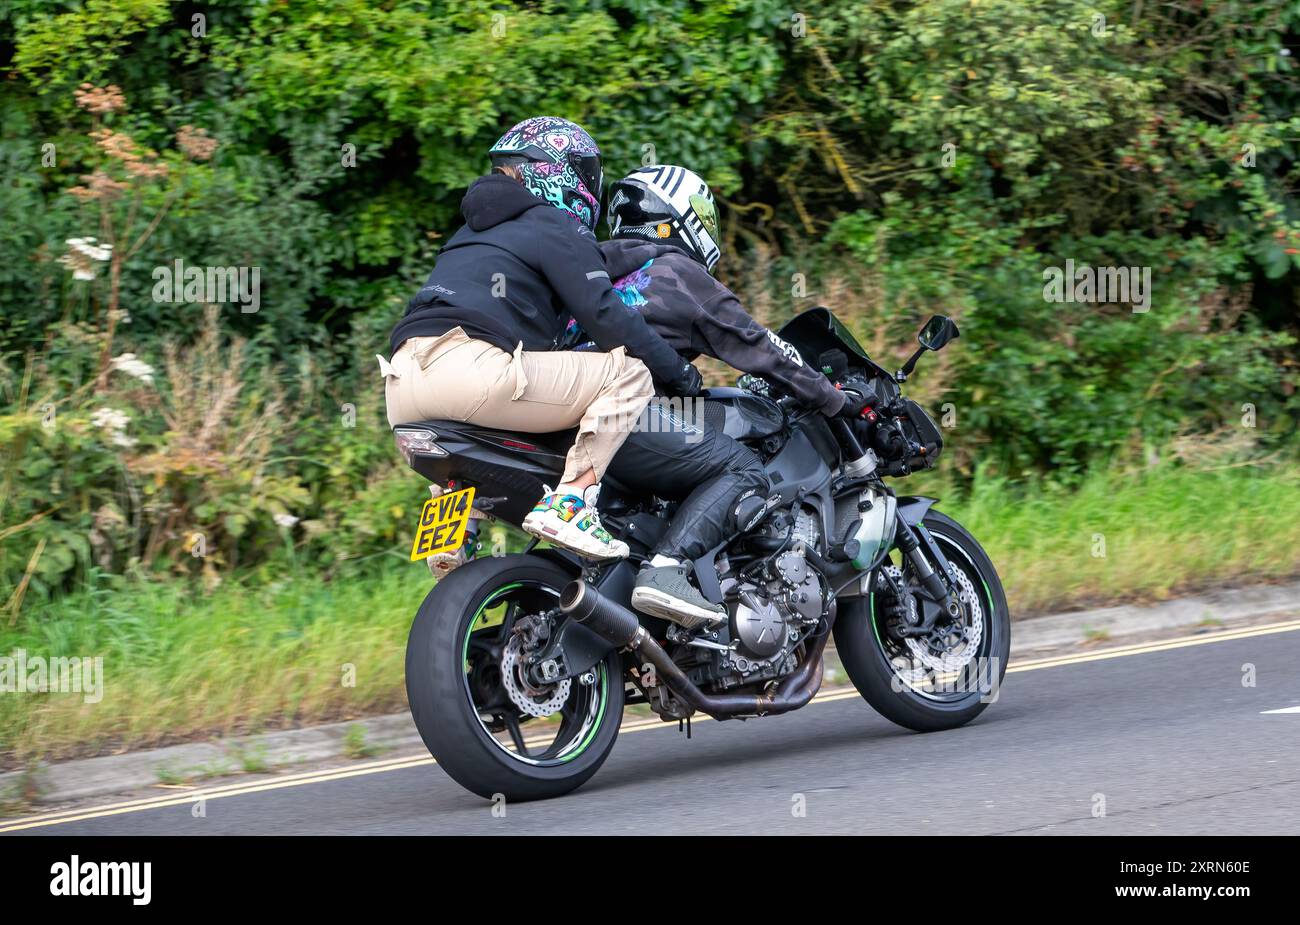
(742, 415)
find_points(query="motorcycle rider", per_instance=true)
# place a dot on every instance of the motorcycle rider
(475, 342)
(663, 247)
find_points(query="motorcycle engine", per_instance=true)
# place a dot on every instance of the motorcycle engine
(773, 610)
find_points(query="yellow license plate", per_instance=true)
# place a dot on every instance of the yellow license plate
(442, 524)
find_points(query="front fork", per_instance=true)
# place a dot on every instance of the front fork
(938, 586)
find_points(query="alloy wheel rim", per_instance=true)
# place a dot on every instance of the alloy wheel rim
(483, 685)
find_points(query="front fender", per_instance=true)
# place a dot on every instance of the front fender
(913, 508)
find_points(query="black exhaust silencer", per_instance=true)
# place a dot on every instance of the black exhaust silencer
(599, 614)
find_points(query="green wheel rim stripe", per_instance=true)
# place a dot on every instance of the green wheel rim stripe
(464, 650)
(604, 676)
(600, 717)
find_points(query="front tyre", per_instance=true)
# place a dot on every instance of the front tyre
(486, 723)
(944, 681)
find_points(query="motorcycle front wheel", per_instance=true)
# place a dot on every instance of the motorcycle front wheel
(943, 681)
(497, 733)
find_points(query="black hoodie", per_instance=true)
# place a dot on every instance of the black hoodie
(698, 315)
(515, 271)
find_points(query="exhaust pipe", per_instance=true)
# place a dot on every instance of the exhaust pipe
(602, 616)
(618, 625)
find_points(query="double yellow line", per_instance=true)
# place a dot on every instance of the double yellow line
(191, 797)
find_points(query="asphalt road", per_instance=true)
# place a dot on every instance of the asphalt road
(1171, 740)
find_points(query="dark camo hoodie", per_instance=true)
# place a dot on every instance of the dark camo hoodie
(696, 314)
(550, 268)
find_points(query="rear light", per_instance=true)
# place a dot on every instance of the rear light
(412, 442)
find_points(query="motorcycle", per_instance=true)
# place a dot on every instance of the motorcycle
(518, 667)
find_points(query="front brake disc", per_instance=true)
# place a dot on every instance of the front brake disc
(957, 653)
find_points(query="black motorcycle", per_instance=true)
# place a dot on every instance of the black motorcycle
(519, 666)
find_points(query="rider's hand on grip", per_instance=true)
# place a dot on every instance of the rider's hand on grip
(688, 382)
(857, 400)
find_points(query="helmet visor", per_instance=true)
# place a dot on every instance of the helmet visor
(591, 173)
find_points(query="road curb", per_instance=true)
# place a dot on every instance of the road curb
(1213, 606)
(91, 777)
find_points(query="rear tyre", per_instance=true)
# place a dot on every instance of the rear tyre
(457, 656)
(879, 666)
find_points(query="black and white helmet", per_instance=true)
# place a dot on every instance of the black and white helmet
(669, 205)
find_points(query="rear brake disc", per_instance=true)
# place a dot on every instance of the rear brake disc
(534, 701)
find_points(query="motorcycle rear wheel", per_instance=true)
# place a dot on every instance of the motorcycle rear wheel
(470, 721)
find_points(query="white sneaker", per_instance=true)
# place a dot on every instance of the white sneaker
(572, 522)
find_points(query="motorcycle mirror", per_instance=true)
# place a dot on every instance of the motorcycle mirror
(937, 332)
(934, 336)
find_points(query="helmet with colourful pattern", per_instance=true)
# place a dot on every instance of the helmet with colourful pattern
(558, 162)
(669, 205)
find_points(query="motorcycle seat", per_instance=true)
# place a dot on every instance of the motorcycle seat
(539, 453)
(556, 442)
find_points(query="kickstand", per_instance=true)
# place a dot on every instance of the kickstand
(687, 723)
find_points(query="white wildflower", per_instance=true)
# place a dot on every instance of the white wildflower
(284, 520)
(133, 366)
(83, 254)
(110, 418)
(87, 246)
(113, 421)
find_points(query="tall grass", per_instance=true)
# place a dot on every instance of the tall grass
(243, 658)
(1135, 536)
(254, 654)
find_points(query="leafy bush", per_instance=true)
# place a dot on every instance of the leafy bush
(196, 462)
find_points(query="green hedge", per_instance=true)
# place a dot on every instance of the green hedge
(889, 159)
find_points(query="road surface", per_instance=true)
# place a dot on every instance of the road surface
(1163, 738)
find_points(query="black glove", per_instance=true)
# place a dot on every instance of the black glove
(857, 399)
(688, 383)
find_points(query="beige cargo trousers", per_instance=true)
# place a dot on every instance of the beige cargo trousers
(454, 377)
